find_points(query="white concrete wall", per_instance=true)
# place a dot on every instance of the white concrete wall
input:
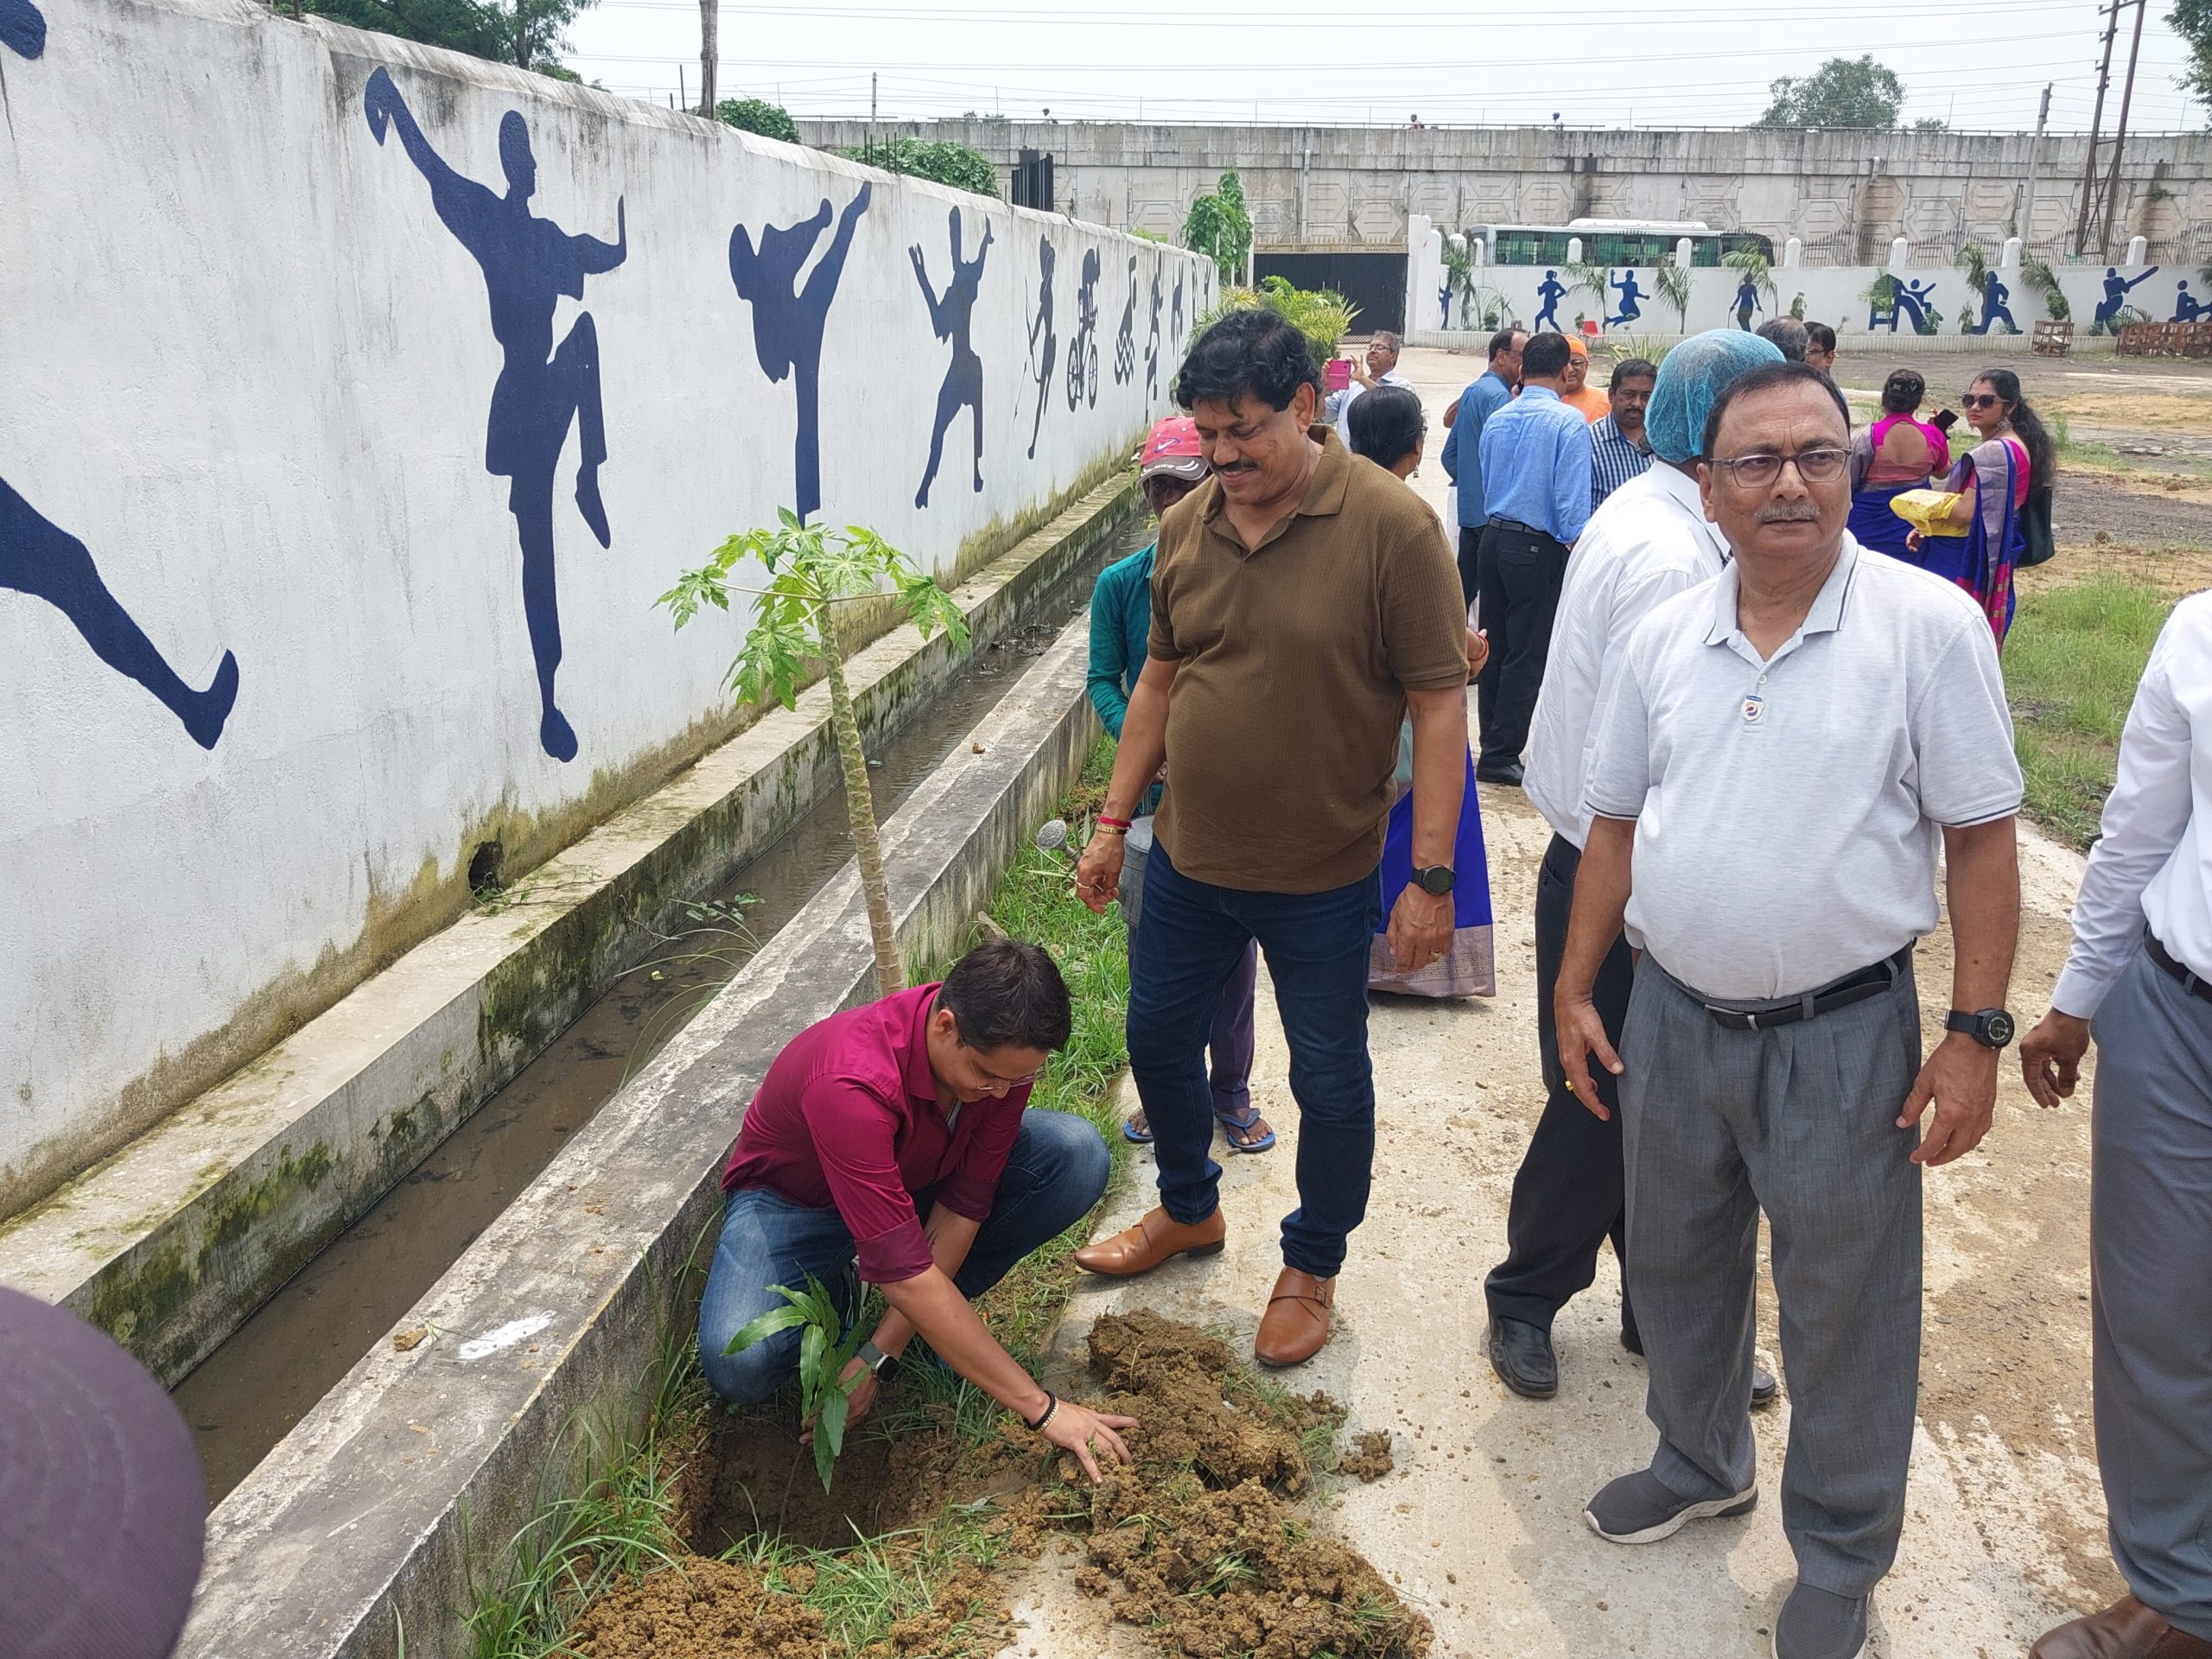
(249, 371)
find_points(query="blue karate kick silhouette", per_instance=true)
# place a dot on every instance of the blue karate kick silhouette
(951, 317)
(1551, 291)
(40, 558)
(528, 263)
(788, 321)
(1629, 295)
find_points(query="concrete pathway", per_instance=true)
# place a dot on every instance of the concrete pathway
(1480, 1525)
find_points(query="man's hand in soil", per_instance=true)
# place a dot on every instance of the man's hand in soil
(1087, 1433)
(860, 1398)
(2050, 1056)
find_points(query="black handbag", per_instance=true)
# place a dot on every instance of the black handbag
(2038, 545)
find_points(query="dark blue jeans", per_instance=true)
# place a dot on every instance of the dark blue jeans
(1054, 1177)
(1316, 944)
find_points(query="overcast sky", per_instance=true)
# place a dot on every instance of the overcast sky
(1980, 65)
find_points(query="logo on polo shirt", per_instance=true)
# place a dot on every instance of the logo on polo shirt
(1754, 706)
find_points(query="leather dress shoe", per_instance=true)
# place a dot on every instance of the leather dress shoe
(1764, 1389)
(1151, 1242)
(1296, 1323)
(1504, 771)
(2127, 1629)
(1521, 1356)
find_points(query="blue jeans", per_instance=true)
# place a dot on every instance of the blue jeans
(1230, 1040)
(1193, 938)
(1054, 1178)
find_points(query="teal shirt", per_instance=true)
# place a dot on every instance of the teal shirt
(1121, 623)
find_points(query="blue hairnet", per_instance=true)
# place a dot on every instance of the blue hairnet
(1691, 381)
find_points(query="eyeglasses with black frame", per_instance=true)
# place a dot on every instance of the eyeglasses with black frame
(1762, 470)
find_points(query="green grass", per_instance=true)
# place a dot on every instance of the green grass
(2071, 664)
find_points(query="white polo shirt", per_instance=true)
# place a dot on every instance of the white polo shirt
(1648, 541)
(1789, 813)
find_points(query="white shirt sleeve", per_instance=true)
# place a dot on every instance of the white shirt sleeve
(2144, 818)
(1619, 770)
(1963, 734)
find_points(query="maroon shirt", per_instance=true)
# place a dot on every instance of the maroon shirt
(847, 1118)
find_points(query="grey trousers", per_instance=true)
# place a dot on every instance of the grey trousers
(2151, 1245)
(1800, 1121)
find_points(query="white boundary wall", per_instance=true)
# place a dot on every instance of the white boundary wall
(249, 372)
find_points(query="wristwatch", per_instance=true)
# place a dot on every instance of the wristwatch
(1991, 1028)
(1436, 879)
(875, 1358)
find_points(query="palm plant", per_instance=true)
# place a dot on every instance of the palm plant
(1674, 283)
(811, 571)
(1458, 274)
(2044, 281)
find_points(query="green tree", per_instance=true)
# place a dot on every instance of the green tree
(1841, 92)
(1674, 283)
(1323, 315)
(811, 571)
(1219, 226)
(958, 165)
(758, 115)
(529, 34)
(2192, 21)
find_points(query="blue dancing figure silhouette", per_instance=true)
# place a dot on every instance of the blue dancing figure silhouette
(2187, 306)
(1551, 291)
(528, 263)
(1125, 343)
(951, 317)
(1152, 344)
(40, 558)
(1082, 349)
(1993, 309)
(1747, 301)
(1629, 295)
(23, 27)
(1044, 344)
(788, 321)
(2117, 288)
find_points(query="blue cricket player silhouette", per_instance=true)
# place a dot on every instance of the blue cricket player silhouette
(1629, 295)
(788, 321)
(2187, 306)
(951, 317)
(23, 27)
(528, 263)
(2116, 291)
(1551, 291)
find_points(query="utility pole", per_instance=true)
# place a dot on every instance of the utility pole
(2025, 227)
(869, 150)
(2120, 137)
(709, 52)
(2096, 122)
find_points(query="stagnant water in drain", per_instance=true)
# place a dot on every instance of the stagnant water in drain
(247, 1394)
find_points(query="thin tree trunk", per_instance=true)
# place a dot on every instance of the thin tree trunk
(860, 807)
(710, 34)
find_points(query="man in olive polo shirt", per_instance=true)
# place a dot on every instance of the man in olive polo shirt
(1303, 601)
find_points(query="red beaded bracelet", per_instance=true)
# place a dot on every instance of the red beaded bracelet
(1112, 824)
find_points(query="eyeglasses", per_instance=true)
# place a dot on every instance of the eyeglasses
(1982, 400)
(1759, 472)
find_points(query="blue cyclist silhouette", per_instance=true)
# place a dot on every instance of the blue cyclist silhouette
(1043, 343)
(1629, 295)
(528, 263)
(1551, 291)
(1125, 343)
(788, 321)
(2187, 306)
(1993, 309)
(951, 316)
(1082, 349)
(1747, 301)
(1152, 344)
(2116, 292)
(38, 557)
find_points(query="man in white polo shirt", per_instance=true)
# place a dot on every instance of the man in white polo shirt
(1779, 754)
(1648, 543)
(2141, 967)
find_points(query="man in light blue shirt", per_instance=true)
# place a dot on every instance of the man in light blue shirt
(1462, 460)
(1536, 462)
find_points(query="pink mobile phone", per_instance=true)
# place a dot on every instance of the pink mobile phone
(1337, 374)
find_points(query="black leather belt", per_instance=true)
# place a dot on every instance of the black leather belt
(1837, 993)
(1518, 528)
(2196, 984)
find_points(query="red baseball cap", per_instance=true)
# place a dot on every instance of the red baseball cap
(1173, 449)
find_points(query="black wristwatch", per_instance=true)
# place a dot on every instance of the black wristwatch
(875, 1358)
(1991, 1028)
(1436, 879)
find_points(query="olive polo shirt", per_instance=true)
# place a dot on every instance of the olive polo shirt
(1294, 660)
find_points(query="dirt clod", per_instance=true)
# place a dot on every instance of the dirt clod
(1370, 1459)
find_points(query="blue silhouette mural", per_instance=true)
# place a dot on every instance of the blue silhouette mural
(23, 27)
(528, 263)
(1444, 304)
(2187, 306)
(1747, 301)
(1993, 309)
(1175, 313)
(1551, 291)
(1083, 350)
(1125, 343)
(1152, 344)
(952, 316)
(788, 321)
(40, 558)
(2117, 288)
(1629, 295)
(1043, 343)
(1908, 302)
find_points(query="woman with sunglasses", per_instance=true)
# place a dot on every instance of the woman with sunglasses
(2003, 482)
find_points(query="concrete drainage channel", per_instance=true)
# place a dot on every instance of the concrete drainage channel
(361, 1524)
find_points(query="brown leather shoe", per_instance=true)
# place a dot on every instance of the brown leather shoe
(2127, 1629)
(1297, 1319)
(1151, 1242)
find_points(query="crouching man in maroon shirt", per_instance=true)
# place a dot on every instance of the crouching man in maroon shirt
(897, 1137)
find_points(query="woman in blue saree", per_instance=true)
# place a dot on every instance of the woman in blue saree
(1898, 451)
